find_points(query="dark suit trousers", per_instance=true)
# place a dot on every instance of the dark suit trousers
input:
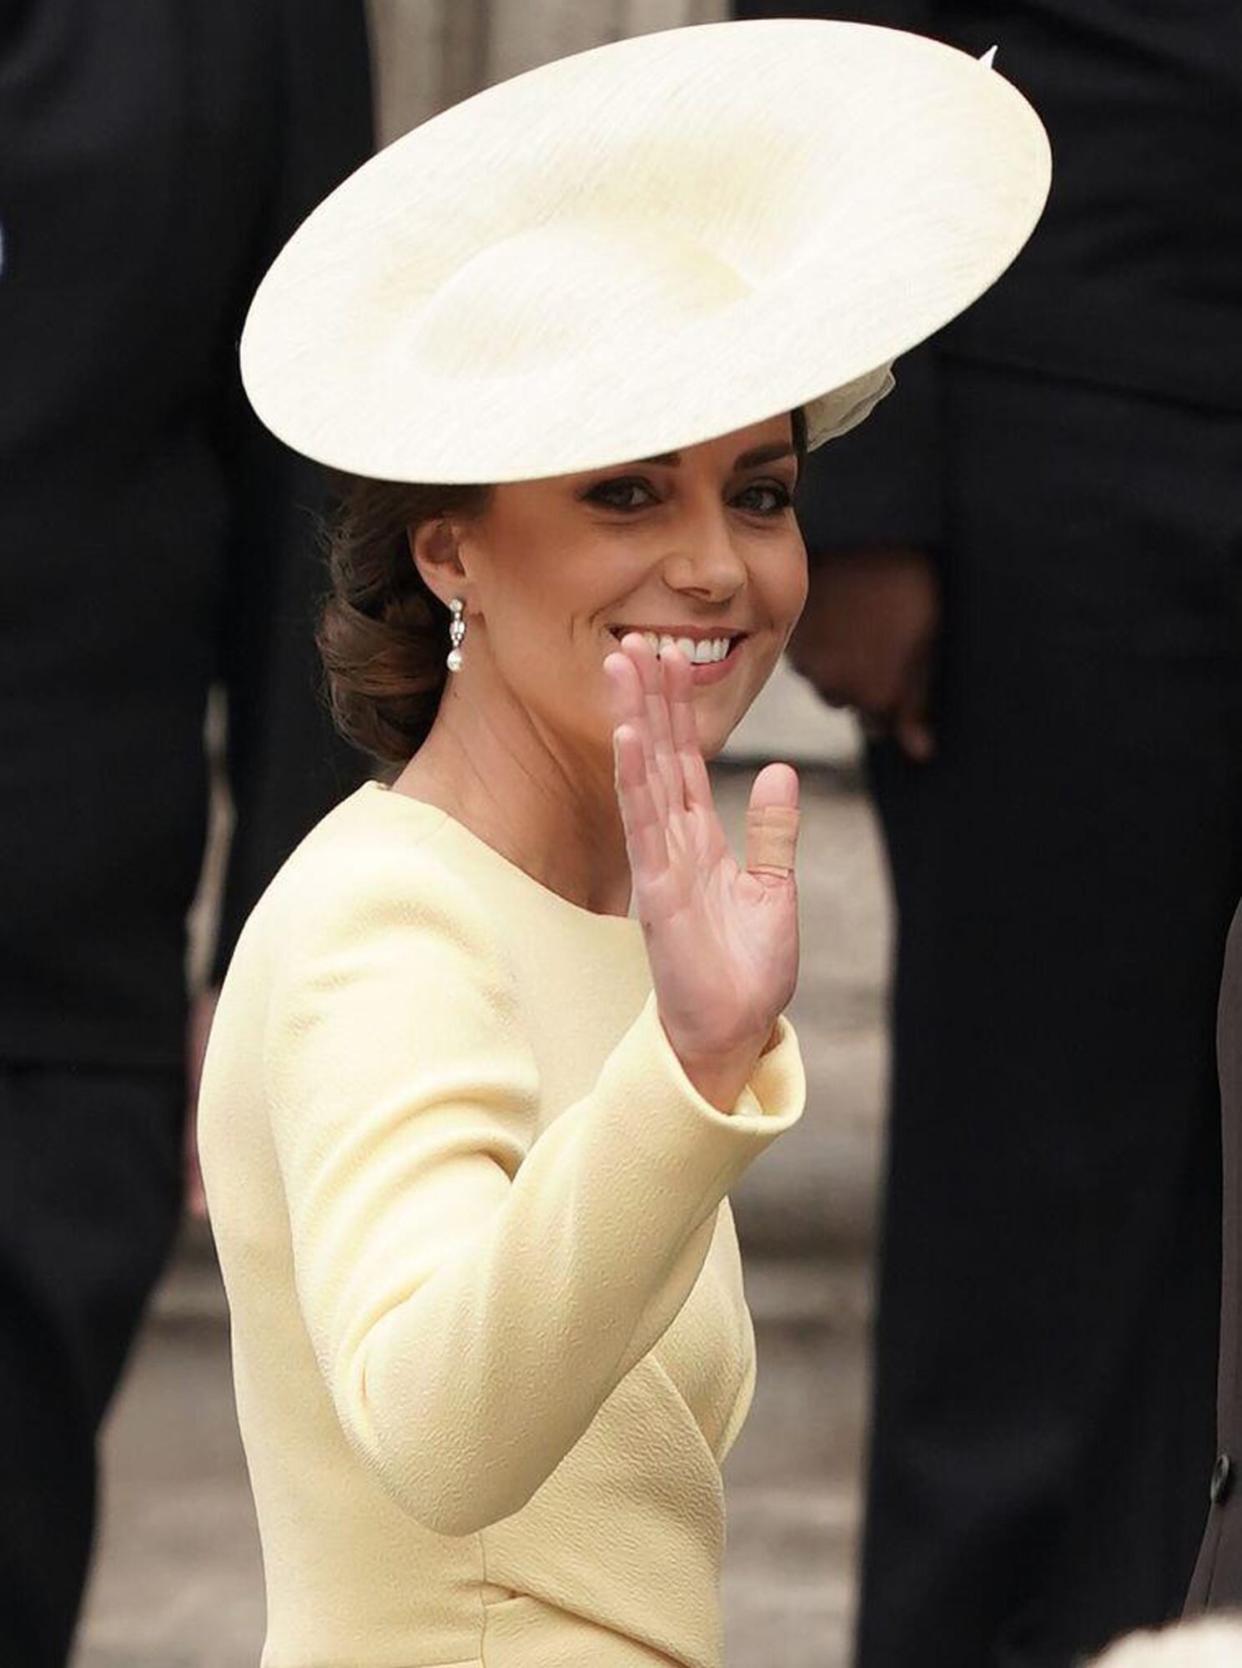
(90, 1196)
(1065, 873)
(1217, 1582)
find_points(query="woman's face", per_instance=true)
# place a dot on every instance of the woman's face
(700, 544)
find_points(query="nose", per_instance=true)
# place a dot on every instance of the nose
(705, 560)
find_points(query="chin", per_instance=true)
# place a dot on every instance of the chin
(712, 740)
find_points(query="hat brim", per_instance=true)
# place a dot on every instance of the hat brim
(644, 246)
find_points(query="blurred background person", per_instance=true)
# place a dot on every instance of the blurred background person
(153, 157)
(1027, 577)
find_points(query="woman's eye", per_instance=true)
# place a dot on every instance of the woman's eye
(768, 498)
(628, 494)
(772, 495)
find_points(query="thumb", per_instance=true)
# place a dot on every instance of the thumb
(772, 820)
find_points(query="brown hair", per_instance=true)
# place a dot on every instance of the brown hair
(383, 634)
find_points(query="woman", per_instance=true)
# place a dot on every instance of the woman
(500, 1037)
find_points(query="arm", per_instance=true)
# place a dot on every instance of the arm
(475, 1293)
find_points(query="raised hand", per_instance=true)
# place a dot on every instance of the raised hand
(722, 940)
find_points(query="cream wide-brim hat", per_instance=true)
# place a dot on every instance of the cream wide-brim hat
(644, 246)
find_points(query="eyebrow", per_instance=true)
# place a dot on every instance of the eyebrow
(749, 460)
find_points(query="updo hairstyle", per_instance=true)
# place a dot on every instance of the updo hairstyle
(383, 633)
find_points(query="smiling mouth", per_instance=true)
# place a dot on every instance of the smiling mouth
(702, 650)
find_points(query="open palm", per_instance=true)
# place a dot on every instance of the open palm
(722, 939)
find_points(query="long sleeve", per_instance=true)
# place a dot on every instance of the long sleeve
(475, 1290)
(285, 765)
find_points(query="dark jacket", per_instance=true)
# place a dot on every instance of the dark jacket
(1131, 284)
(1218, 1574)
(1132, 278)
(153, 157)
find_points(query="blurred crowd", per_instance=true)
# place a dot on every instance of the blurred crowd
(1026, 579)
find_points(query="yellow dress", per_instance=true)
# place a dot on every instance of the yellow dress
(490, 1343)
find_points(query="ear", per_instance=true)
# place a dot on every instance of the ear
(435, 552)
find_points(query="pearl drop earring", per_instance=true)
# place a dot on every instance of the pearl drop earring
(457, 631)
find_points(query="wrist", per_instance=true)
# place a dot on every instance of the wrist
(720, 1086)
(721, 1078)
(721, 1072)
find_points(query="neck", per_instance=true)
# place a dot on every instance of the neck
(547, 807)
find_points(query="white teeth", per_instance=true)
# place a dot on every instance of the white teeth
(701, 653)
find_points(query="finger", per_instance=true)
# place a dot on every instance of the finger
(772, 838)
(654, 671)
(629, 708)
(647, 672)
(625, 697)
(640, 819)
(772, 820)
(687, 751)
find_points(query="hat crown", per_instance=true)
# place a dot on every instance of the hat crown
(544, 292)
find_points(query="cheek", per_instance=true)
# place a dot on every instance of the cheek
(781, 579)
(801, 592)
(796, 574)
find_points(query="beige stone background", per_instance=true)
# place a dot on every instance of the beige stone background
(178, 1580)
